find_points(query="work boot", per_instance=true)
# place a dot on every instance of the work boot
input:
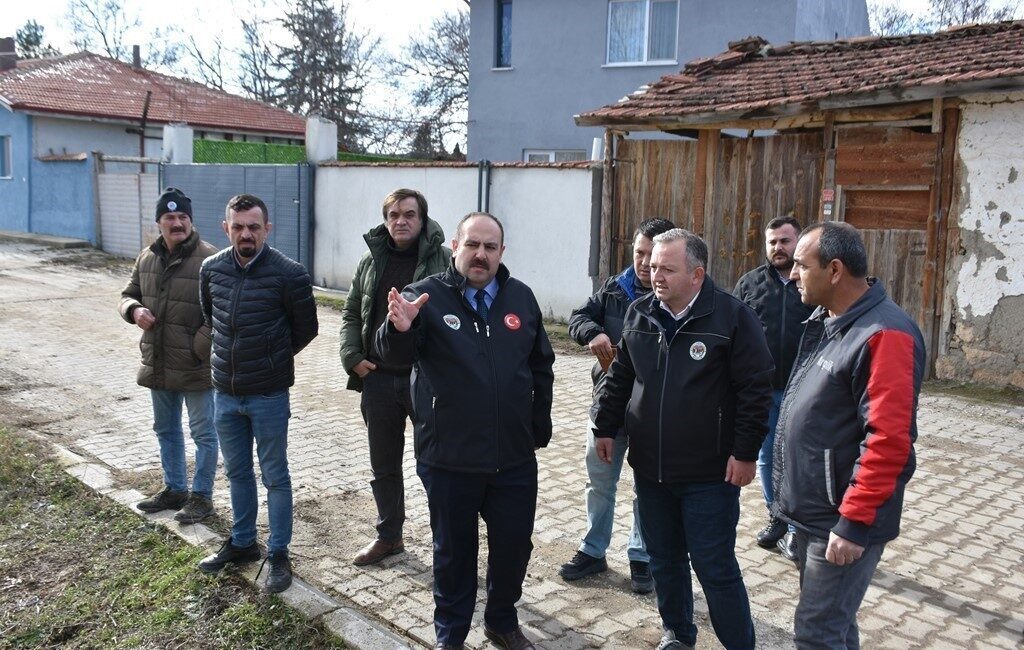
(165, 499)
(376, 551)
(787, 546)
(514, 640)
(582, 565)
(280, 577)
(640, 577)
(196, 509)
(772, 533)
(229, 554)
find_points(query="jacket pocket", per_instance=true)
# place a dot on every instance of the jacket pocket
(269, 351)
(829, 461)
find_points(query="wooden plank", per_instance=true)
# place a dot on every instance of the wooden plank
(946, 231)
(828, 176)
(937, 115)
(607, 186)
(889, 210)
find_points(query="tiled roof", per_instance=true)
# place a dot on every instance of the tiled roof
(89, 85)
(754, 79)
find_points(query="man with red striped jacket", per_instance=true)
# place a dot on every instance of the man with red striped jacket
(847, 428)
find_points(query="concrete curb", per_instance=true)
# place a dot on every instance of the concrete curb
(52, 241)
(354, 628)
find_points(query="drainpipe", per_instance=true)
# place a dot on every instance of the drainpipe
(480, 186)
(487, 187)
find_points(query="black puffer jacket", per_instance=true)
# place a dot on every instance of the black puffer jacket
(688, 400)
(481, 390)
(781, 312)
(262, 315)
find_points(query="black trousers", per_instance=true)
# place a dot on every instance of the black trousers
(386, 403)
(507, 502)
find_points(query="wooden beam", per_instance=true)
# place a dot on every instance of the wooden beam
(827, 202)
(607, 182)
(937, 115)
(703, 180)
(947, 232)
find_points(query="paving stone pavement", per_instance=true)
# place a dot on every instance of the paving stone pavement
(954, 579)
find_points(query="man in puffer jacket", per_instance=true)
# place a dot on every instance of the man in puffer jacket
(261, 307)
(162, 299)
(844, 448)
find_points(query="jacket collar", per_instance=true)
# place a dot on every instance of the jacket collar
(184, 249)
(704, 305)
(834, 325)
(432, 236)
(627, 282)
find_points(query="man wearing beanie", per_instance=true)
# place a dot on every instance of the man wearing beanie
(162, 299)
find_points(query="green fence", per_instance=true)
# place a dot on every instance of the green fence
(240, 153)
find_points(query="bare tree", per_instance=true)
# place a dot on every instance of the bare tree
(257, 59)
(105, 25)
(888, 19)
(207, 63)
(29, 41)
(945, 13)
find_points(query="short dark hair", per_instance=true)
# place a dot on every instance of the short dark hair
(651, 228)
(786, 219)
(243, 202)
(841, 241)
(402, 194)
(471, 215)
(696, 249)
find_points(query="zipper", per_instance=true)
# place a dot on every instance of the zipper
(661, 402)
(828, 477)
(782, 331)
(234, 320)
(718, 440)
(494, 373)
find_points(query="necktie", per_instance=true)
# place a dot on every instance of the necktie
(481, 304)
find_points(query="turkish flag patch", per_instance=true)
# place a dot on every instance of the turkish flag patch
(512, 322)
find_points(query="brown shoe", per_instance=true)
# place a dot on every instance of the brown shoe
(514, 640)
(376, 551)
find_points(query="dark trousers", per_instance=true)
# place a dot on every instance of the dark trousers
(386, 403)
(830, 595)
(686, 523)
(507, 502)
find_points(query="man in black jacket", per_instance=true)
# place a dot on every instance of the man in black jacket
(482, 389)
(261, 308)
(598, 325)
(769, 292)
(690, 385)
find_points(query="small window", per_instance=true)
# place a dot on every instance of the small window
(5, 156)
(642, 31)
(503, 40)
(554, 155)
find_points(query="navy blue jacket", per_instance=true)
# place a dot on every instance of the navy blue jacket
(262, 315)
(481, 390)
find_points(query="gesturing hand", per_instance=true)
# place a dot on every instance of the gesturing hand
(401, 312)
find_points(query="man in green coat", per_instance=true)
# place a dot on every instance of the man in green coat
(162, 299)
(407, 247)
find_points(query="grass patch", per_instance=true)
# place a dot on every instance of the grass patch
(79, 571)
(561, 342)
(336, 303)
(1002, 396)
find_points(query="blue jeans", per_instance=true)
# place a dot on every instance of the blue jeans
(830, 595)
(602, 479)
(766, 456)
(167, 425)
(695, 523)
(241, 420)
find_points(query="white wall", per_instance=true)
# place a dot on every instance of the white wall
(546, 213)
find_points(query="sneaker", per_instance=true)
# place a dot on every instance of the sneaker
(670, 642)
(196, 509)
(582, 565)
(640, 577)
(280, 577)
(229, 554)
(787, 546)
(165, 499)
(772, 533)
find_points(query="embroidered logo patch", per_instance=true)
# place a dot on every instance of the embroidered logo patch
(512, 322)
(452, 321)
(171, 205)
(698, 350)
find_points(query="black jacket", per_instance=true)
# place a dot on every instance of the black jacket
(692, 399)
(481, 390)
(782, 315)
(262, 316)
(604, 312)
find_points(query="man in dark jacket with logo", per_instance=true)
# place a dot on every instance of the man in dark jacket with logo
(406, 248)
(690, 385)
(162, 298)
(846, 432)
(774, 297)
(598, 325)
(482, 389)
(260, 305)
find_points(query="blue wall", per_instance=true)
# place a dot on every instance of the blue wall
(62, 199)
(14, 191)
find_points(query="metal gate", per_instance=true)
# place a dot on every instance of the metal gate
(126, 201)
(284, 188)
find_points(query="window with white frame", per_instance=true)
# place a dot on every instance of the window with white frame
(554, 155)
(503, 35)
(5, 156)
(642, 31)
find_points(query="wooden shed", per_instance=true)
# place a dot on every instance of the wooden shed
(861, 130)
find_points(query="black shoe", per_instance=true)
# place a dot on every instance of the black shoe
(582, 565)
(196, 509)
(280, 577)
(229, 554)
(787, 546)
(772, 533)
(514, 640)
(165, 499)
(640, 577)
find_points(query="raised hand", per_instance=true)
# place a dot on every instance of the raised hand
(401, 312)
